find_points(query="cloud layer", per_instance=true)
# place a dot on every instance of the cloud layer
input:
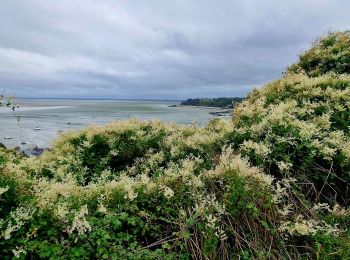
(155, 49)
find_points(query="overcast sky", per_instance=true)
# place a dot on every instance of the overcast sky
(155, 49)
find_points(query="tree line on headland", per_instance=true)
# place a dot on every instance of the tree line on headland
(222, 102)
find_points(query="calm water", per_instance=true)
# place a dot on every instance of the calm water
(54, 115)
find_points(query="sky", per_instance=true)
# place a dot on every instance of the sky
(155, 49)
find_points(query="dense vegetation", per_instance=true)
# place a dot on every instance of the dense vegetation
(330, 53)
(212, 102)
(271, 184)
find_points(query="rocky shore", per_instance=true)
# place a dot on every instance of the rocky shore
(31, 151)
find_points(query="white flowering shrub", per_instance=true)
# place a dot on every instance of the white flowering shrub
(176, 207)
(329, 53)
(129, 146)
(300, 126)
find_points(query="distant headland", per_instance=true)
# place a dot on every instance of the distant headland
(222, 102)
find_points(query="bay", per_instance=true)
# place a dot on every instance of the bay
(54, 115)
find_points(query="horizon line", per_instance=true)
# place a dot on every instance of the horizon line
(90, 98)
(118, 99)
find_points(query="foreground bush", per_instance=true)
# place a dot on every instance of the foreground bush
(271, 185)
(185, 195)
(159, 203)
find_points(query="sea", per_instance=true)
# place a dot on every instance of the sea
(52, 116)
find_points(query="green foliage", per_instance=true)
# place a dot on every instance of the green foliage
(153, 208)
(212, 102)
(142, 147)
(297, 126)
(329, 53)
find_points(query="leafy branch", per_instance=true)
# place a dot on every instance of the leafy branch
(8, 101)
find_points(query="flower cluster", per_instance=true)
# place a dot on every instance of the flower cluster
(80, 224)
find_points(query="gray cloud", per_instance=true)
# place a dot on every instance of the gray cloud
(155, 49)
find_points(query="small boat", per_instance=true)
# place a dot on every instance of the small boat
(37, 128)
(7, 137)
(23, 142)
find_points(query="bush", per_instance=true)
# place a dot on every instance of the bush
(134, 146)
(156, 207)
(329, 53)
(299, 127)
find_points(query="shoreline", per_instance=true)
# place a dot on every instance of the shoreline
(219, 111)
(208, 107)
(33, 151)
